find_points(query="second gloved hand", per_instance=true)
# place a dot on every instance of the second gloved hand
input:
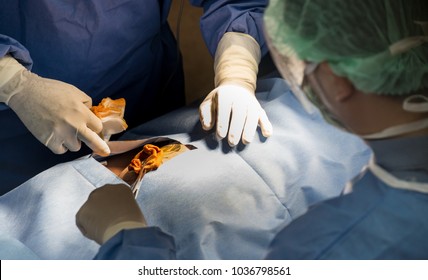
(107, 211)
(238, 112)
(56, 113)
(233, 104)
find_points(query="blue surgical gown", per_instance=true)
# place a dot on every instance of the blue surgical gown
(374, 221)
(115, 48)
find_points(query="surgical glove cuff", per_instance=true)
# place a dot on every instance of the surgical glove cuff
(114, 229)
(11, 76)
(236, 60)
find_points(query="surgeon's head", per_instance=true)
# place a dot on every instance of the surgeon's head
(365, 61)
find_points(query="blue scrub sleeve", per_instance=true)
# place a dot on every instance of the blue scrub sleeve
(138, 244)
(14, 48)
(231, 16)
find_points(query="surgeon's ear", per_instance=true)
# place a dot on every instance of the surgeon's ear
(344, 89)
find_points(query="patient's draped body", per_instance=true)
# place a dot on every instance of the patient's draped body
(217, 201)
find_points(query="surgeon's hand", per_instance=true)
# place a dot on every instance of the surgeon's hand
(107, 211)
(232, 104)
(56, 113)
(238, 112)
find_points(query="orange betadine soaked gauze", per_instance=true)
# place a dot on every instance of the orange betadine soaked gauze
(111, 114)
(109, 107)
(148, 159)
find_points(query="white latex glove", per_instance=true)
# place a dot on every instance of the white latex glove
(232, 104)
(56, 113)
(107, 211)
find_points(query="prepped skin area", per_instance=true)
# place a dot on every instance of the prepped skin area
(146, 158)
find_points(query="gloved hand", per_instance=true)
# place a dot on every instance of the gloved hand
(56, 113)
(107, 211)
(233, 103)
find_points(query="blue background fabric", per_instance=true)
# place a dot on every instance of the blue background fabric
(114, 48)
(216, 201)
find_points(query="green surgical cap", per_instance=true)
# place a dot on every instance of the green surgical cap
(379, 45)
